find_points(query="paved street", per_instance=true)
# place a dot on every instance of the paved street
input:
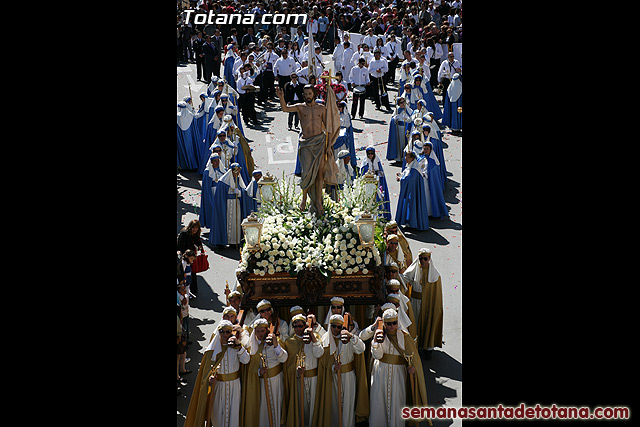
(274, 150)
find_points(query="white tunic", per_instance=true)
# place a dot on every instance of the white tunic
(348, 383)
(388, 386)
(274, 356)
(312, 352)
(226, 395)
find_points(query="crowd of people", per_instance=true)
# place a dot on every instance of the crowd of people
(243, 66)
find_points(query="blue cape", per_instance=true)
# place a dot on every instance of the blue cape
(394, 149)
(228, 72)
(412, 202)
(451, 117)
(432, 104)
(206, 201)
(218, 233)
(187, 158)
(347, 142)
(436, 195)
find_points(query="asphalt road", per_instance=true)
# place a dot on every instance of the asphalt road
(274, 150)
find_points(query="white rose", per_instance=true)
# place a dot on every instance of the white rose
(338, 271)
(358, 259)
(349, 270)
(365, 271)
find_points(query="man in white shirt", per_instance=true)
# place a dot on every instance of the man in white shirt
(345, 59)
(377, 69)
(447, 69)
(283, 67)
(268, 77)
(359, 76)
(394, 50)
(363, 52)
(247, 98)
(370, 39)
(434, 54)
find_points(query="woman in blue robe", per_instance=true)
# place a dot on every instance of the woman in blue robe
(200, 120)
(233, 142)
(416, 142)
(210, 134)
(253, 190)
(213, 171)
(398, 126)
(435, 136)
(436, 206)
(229, 60)
(430, 98)
(412, 201)
(187, 136)
(453, 100)
(372, 162)
(436, 146)
(231, 204)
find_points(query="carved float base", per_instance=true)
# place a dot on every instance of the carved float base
(310, 287)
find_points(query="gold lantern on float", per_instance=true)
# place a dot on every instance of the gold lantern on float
(252, 228)
(370, 183)
(267, 185)
(366, 229)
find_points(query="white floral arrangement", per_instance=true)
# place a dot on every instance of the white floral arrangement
(293, 240)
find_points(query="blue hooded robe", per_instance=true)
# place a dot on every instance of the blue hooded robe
(453, 100)
(187, 136)
(206, 200)
(412, 201)
(228, 70)
(398, 127)
(430, 168)
(218, 233)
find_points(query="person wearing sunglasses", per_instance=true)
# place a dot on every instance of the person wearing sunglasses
(254, 408)
(403, 306)
(391, 374)
(266, 312)
(227, 354)
(426, 299)
(352, 375)
(337, 307)
(296, 346)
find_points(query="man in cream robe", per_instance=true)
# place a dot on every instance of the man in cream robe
(254, 399)
(225, 391)
(346, 353)
(295, 346)
(426, 299)
(390, 374)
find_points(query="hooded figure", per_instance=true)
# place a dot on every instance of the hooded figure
(412, 200)
(210, 178)
(187, 137)
(230, 205)
(392, 374)
(453, 101)
(218, 402)
(426, 299)
(430, 167)
(399, 125)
